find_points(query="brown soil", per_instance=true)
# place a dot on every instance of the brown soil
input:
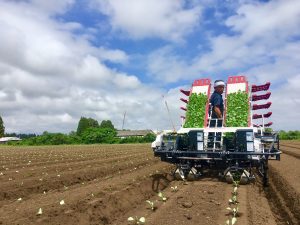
(106, 184)
(285, 188)
(291, 149)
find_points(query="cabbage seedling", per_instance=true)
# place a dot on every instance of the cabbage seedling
(233, 200)
(232, 221)
(234, 211)
(174, 189)
(152, 206)
(137, 220)
(162, 197)
(236, 183)
(40, 212)
(234, 191)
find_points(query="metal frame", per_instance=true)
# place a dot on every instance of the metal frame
(218, 159)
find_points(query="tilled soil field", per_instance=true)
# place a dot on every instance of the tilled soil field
(106, 184)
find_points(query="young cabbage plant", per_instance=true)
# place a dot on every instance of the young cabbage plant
(234, 211)
(62, 202)
(233, 200)
(136, 220)
(40, 212)
(236, 183)
(232, 221)
(234, 193)
(152, 206)
(174, 189)
(162, 197)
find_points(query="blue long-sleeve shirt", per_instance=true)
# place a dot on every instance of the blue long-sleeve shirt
(216, 99)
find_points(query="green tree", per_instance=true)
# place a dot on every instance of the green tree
(107, 124)
(85, 123)
(98, 135)
(2, 128)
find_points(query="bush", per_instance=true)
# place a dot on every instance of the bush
(98, 135)
(289, 135)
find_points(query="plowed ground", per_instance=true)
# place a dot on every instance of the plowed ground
(106, 184)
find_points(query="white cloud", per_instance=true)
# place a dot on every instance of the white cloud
(168, 19)
(115, 55)
(164, 65)
(286, 105)
(264, 47)
(53, 6)
(275, 19)
(264, 33)
(50, 77)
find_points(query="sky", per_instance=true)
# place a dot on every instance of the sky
(63, 59)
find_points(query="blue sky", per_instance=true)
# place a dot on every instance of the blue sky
(60, 60)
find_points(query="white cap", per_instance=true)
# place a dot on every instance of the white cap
(219, 83)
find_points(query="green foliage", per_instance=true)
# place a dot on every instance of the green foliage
(237, 109)
(107, 124)
(85, 123)
(146, 139)
(289, 135)
(268, 130)
(2, 128)
(22, 136)
(88, 132)
(98, 135)
(89, 136)
(48, 139)
(195, 110)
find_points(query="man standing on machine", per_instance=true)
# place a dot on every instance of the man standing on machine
(217, 109)
(217, 105)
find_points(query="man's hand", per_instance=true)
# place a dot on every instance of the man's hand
(218, 112)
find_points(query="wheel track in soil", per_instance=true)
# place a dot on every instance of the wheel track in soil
(283, 191)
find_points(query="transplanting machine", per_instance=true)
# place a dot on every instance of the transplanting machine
(237, 148)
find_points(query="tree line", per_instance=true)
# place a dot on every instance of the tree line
(89, 131)
(289, 135)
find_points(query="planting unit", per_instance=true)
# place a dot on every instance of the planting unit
(236, 147)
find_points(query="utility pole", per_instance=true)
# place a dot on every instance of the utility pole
(166, 103)
(123, 120)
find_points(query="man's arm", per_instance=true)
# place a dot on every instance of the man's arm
(218, 112)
